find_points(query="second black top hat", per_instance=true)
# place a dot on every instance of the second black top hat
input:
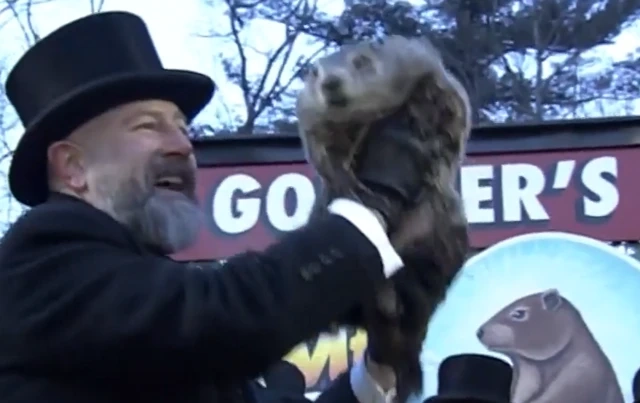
(473, 378)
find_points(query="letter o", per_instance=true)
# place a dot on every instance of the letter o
(275, 203)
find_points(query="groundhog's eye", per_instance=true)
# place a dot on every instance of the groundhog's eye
(519, 314)
(311, 70)
(361, 62)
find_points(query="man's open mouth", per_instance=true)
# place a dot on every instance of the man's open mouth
(173, 183)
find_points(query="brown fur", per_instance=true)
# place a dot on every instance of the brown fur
(345, 94)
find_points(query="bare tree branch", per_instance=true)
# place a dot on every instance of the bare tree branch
(22, 13)
(263, 94)
(96, 5)
(28, 31)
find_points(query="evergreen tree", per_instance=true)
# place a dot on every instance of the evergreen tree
(519, 60)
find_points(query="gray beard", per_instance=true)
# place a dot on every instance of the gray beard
(169, 224)
(165, 223)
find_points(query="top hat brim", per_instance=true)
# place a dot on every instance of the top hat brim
(190, 92)
(285, 377)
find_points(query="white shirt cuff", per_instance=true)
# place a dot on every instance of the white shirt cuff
(367, 223)
(365, 388)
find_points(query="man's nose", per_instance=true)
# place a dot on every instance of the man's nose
(179, 144)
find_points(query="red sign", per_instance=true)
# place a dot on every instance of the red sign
(588, 192)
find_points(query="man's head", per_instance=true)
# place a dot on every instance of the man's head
(136, 163)
(107, 124)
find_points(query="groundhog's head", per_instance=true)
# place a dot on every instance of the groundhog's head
(365, 80)
(536, 327)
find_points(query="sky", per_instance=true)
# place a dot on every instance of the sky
(177, 26)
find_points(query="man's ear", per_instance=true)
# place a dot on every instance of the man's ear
(67, 164)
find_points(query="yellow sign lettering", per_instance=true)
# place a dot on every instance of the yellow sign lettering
(321, 362)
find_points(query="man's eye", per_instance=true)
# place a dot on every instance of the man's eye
(145, 126)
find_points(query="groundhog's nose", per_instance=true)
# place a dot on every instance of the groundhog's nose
(480, 333)
(331, 83)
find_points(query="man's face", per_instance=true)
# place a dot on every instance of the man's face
(136, 163)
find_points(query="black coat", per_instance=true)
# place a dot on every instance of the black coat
(89, 315)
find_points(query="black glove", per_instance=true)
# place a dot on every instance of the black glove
(391, 166)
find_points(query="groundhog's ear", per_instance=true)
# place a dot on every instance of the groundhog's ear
(551, 300)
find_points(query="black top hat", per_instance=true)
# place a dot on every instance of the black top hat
(286, 378)
(80, 71)
(473, 378)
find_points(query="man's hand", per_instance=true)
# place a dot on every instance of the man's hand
(391, 167)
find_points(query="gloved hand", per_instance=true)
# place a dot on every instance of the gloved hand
(391, 166)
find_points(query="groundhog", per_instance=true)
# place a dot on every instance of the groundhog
(345, 95)
(555, 357)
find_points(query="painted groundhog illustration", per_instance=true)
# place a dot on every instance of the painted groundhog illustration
(555, 357)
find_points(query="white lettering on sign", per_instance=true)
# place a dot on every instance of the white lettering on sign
(522, 184)
(594, 178)
(233, 211)
(512, 193)
(275, 201)
(240, 201)
(492, 194)
(475, 185)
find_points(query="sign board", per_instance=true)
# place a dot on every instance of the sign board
(588, 192)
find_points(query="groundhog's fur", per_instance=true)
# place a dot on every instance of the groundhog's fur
(346, 94)
(555, 357)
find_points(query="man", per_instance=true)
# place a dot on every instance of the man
(91, 310)
(635, 387)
